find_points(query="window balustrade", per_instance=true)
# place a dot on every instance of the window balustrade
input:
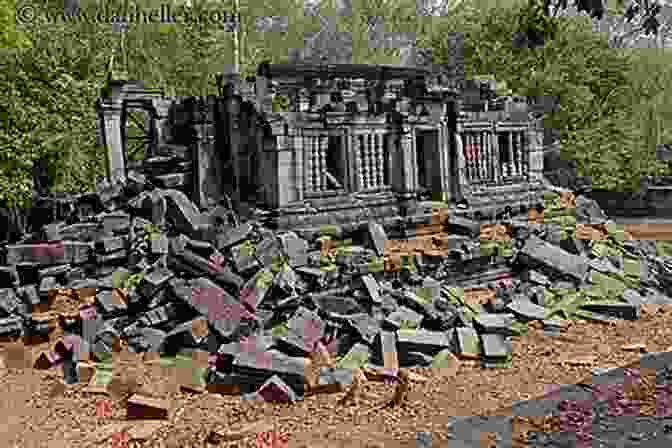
(495, 157)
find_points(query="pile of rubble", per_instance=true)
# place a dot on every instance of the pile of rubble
(252, 308)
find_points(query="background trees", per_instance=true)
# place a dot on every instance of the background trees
(613, 99)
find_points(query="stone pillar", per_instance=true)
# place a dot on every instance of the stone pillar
(535, 153)
(233, 121)
(109, 113)
(408, 168)
(299, 156)
(162, 107)
(463, 183)
(444, 160)
(207, 164)
(286, 180)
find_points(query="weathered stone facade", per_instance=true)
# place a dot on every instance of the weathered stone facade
(353, 143)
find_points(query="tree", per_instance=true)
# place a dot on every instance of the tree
(625, 21)
(604, 95)
(10, 36)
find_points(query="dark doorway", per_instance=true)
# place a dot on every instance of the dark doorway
(429, 168)
(336, 164)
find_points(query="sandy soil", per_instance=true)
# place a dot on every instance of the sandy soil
(38, 411)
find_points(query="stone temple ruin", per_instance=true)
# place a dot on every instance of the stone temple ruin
(149, 268)
(355, 143)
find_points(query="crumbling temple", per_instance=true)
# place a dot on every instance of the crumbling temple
(351, 143)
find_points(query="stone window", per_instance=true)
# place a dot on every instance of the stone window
(325, 164)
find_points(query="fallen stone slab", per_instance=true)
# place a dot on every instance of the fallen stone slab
(404, 316)
(183, 214)
(10, 303)
(495, 323)
(464, 226)
(268, 251)
(377, 238)
(295, 248)
(234, 236)
(274, 389)
(627, 311)
(366, 325)
(337, 307)
(358, 355)
(538, 253)
(243, 257)
(467, 343)
(258, 367)
(11, 327)
(424, 341)
(110, 304)
(115, 223)
(387, 349)
(146, 408)
(372, 288)
(526, 310)
(202, 266)
(43, 254)
(496, 349)
(223, 312)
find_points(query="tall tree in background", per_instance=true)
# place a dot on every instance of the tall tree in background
(625, 21)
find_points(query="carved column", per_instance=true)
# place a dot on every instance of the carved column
(308, 150)
(380, 170)
(464, 186)
(535, 153)
(444, 160)
(323, 148)
(359, 161)
(499, 169)
(485, 153)
(299, 154)
(109, 113)
(512, 159)
(519, 153)
(410, 177)
(368, 166)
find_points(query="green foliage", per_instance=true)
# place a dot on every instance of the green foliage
(353, 360)
(10, 36)
(264, 279)
(248, 248)
(613, 103)
(664, 248)
(280, 264)
(126, 280)
(280, 103)
(494, 248)
(280, 330)
(408, 324)
(151, 232)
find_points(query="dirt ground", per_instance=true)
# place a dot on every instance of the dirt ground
(38, 411)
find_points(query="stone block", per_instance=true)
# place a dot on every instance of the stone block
(146, 408)
(468, 345)
(378, 238)
(295, 248)
(495, 323)
(527, 310)
(274, 389)
(537, 252)
(424, 341)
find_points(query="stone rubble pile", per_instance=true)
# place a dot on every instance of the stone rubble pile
(249, 306)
